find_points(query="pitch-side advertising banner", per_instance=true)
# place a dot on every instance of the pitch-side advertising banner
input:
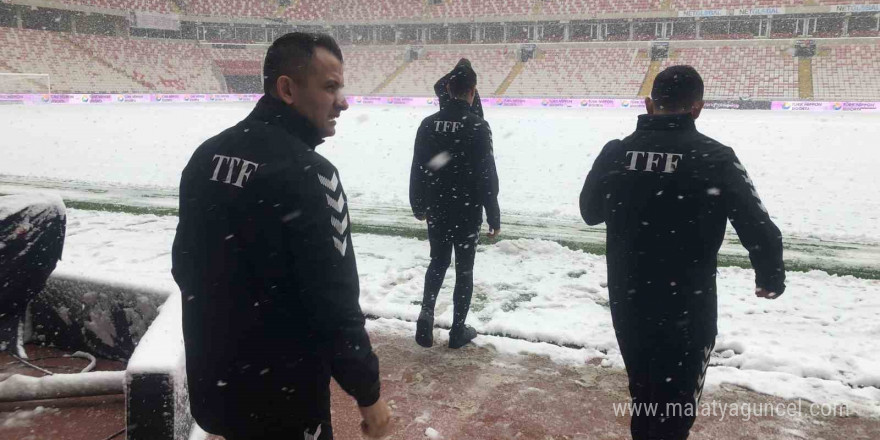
(410, 101)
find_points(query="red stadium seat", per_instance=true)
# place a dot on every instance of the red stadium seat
(159, 6)
(847, 72)
(735, 72)
(599, 71)
(492, 65)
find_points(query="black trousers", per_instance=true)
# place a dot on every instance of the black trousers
(303, 432)
(666, 374)
(272, 400)
(442, 245)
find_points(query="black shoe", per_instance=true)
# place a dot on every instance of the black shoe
(425, 331)
(459, 337)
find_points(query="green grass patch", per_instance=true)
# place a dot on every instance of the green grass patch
(422, 234)
(514, 303)
(478, 301)
(127, 209)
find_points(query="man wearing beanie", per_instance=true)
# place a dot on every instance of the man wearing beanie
(453, 179)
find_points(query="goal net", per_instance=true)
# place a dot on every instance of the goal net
(15, 83)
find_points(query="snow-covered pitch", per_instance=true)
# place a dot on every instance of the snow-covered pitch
(816, 173)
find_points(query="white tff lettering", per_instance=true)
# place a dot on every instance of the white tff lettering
(447, 126)
(244, 171)
(635, 157)
(233, 162)
(652, 161)
(672, 163)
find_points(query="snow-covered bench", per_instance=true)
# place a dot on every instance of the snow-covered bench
(157, 402)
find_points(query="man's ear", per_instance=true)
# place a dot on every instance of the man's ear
(649, 105)
(697, 109)
(285, 88)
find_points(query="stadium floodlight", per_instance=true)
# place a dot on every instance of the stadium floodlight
(16, 83)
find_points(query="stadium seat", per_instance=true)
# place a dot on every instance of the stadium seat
(158, 6)
(579, 72)
(847, 72)
(232, 8)
(492, 66)
(735, 72)
(165, 66)
(71, 70)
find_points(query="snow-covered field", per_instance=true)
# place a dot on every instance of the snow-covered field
(816, 172)
(817, 341)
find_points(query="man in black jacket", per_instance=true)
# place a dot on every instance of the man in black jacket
(452, 180)
(265, 263)
(665, 194)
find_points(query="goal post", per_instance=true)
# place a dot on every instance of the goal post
(21, 83)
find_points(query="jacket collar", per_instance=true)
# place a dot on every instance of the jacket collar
(666, 122)
(458, 104)
(276, 112)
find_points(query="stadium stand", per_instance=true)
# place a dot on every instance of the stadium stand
(367, 68)
(159, 6)
(581, 7)
(583, 71)
(682, 5)
(374, 10)
(479, 8)
(491, 63)
(758, 69)
(847, 71)
(364, 11)
(737, 71)
(232, 8)
(163, 66)
(71, 70)
(309, 10)
(244, 61)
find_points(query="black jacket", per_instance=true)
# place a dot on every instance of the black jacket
(266, 268)
(453, 174)
(665, 194)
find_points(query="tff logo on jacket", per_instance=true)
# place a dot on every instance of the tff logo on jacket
(234, 165)
(447, 126)
(652, 161)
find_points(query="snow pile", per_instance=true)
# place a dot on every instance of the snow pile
(161, 352)
(24, 418)
(21, 388)
(35, 204)
(197, 433)
(817, 341)
(161, 349)
(122, 251)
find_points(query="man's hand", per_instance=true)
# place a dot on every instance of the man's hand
(377, 419)
(420, 217)
(760, 292)
(493, 233)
